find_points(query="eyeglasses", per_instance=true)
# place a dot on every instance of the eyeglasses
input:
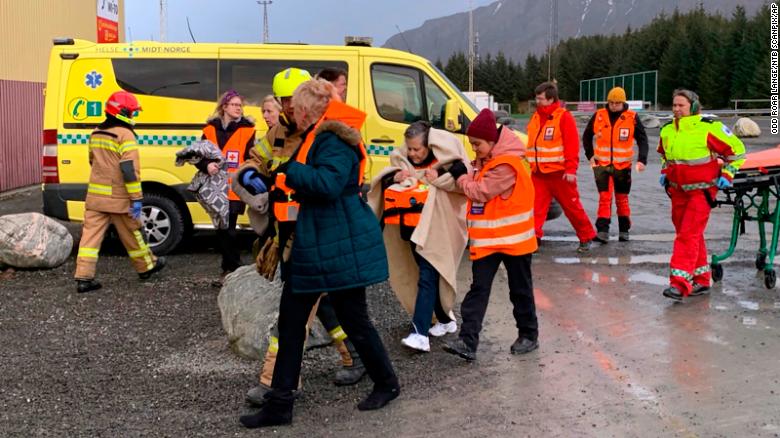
(235, 104)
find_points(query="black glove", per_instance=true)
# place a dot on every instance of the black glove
(458, 169)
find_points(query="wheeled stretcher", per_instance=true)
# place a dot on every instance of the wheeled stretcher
(754, 196)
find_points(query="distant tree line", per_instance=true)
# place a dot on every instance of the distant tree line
(720, 57)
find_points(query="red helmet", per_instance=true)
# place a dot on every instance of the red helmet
(123, 106)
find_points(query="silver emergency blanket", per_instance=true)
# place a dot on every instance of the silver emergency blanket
(211, 191)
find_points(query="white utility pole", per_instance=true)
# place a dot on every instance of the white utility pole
(265, 18)
(471, 47)
(163, 20)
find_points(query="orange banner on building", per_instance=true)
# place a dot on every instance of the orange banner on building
(107, 31)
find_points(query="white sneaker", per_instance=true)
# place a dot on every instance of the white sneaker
(417, 342)
(440, 329)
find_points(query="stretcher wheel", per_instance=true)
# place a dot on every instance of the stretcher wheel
(770, 278)
(760, 261)
(717, 272)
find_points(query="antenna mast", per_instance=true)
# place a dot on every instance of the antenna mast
(265, 18)
(471, 47)
(163, 20)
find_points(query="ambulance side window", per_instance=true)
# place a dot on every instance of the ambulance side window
(253, 77)
(436, 100)
(405, 95)
(397, 93)
(194, 79)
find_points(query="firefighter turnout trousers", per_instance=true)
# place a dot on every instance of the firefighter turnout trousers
(549, 186)
(609, 180)
(690, 213)
(129, 231)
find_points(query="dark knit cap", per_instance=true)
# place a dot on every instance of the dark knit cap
(484, 126)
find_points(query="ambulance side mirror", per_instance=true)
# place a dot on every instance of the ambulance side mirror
(452, 116)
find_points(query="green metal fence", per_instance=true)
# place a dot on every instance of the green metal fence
(639, 86)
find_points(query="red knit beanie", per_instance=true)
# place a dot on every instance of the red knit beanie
(484, 126)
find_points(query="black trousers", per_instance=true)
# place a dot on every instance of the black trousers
(227, 241)
(352, 311)
(521, 294)
(327, 314)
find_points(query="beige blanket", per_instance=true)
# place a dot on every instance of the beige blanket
(440, 236)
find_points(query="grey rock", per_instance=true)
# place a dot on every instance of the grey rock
(745, 127)
(650, 121)
(32, 240)
(249, 305)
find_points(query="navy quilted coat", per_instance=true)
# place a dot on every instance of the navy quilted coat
(338, 243)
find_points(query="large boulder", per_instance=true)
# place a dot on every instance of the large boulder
(746, 127)
(650, 121)
(32, 240)
(249, 305)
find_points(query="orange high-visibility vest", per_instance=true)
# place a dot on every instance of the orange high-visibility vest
(403, 206)
(503, 225)
(287, 210)
(614, 144)
(234, 151)
(545, 143)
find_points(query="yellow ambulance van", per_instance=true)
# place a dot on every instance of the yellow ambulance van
(178, 84)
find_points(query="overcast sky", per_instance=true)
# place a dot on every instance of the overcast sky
(307, 21)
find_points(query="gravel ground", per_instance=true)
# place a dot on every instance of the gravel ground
(147, 358)
(151, 358)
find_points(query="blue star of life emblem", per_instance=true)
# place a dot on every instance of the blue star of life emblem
(94, 79)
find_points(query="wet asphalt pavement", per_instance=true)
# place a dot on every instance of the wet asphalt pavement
(616, 358)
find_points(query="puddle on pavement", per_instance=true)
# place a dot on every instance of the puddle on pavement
(648, 278)
(749, 320)
(659, 237)
(750, 305)
(614, 261)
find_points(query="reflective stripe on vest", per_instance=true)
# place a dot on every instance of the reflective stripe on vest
(233, 151)
(545, 143)
(614, 144)
(287, 211)
(503, 225)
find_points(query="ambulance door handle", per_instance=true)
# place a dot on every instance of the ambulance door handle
(384, 139)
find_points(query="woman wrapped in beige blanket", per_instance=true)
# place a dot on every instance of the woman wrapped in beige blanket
(423, 213)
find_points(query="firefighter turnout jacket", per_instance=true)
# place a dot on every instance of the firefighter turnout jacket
(115, 179)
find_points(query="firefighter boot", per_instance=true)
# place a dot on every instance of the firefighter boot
(158, 265)
(256, 395)
(87, 285)
(353, 369)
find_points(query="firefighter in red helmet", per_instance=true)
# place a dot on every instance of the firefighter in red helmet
(114, 193)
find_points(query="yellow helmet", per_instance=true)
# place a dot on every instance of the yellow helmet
(287, 80)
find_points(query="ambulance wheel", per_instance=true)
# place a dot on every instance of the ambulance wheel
(760, 261)
(717, 272)
(163, 223)
(770, 278)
